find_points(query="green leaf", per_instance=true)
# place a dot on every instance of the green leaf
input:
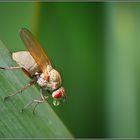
(14, 124)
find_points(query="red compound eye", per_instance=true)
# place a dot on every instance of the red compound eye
(57, 94)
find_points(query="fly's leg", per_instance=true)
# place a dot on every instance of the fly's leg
(10, 68)
(35, 107)
(34, 101)
(23, 88)
(20, 90)
(45, 99)
(37, 102)
(30, 103)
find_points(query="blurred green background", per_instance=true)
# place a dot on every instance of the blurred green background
(96, 47)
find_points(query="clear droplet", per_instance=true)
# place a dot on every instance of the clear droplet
(56, 102)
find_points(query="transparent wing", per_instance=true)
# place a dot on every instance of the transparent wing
(34, 49)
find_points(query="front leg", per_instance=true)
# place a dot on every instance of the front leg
(43, 99)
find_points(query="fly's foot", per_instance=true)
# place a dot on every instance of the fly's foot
(22, 110)
(33, 112)
(6, 97)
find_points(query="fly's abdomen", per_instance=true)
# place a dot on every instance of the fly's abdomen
(25, 60)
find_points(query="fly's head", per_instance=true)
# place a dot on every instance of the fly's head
(58, 96)
(51, 80)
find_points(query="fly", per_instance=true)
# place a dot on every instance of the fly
(35, 63)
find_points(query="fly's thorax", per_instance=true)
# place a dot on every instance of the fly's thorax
(42, 82)
(49, 68)
(50, 79)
